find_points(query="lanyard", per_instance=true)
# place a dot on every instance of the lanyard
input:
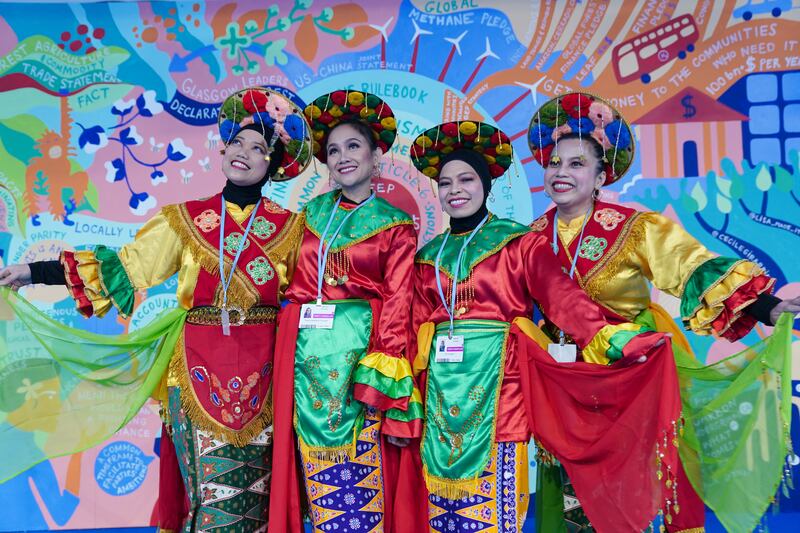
(554, 244)
(226, 280)
(322, 255)
(451, 309)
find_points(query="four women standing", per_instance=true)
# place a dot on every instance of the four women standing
(344, 394)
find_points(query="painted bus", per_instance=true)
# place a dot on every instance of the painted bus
(650, 50)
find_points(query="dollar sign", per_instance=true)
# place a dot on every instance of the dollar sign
(688, 109)
(751, 64)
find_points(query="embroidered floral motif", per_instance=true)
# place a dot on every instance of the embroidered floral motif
(260, 270)
(233, 241)
(272, 207)
(592, 248)
(539, 224)
(608, 218)
(263, 228)
(233, 398)
(207, 221)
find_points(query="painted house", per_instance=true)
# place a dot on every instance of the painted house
(695, 129)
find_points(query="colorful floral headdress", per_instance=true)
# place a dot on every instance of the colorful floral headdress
(584, 114)
(325, 112)
(430, 147)
(266, 107)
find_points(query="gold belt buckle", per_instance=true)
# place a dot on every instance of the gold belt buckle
(239, 312)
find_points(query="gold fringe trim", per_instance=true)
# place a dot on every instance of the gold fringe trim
(320, 455)
(602, 273)
(201, 418)
(240, 291)
(692, 530)
(362, 238)
(287, 240)
(452, 489)
(476, 262)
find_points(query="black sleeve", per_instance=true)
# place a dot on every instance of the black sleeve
(47, 272)
(761, 308)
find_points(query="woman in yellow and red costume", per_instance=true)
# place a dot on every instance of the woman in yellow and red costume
(615, 253)
(489, 383)
(234, 253)
(343, 335)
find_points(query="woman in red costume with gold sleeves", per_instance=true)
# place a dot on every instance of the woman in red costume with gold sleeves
(615, 252)
(234, 253)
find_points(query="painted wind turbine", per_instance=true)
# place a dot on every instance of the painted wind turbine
(418, 32)
(481, 59)
(384, 38)
(456, 42)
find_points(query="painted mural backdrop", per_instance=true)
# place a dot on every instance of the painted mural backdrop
(108, 112)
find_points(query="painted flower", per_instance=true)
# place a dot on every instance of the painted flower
(140, 203)
(178, 151)
(122, 107)
(157, 177)
(115, 170)
(540, 135)
(130, 137)
(148, 105)
(92, 139)
(600, 113)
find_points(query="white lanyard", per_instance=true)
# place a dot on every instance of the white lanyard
(322, 251)
(226, 280)
(554, 245)
(451, 309)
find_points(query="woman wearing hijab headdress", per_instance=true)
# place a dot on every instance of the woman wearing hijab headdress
(488, 383)
(343, 336)
(615, 253)
(209, 361)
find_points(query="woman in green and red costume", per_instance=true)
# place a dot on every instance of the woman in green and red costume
(210, 361)
(490, 384)
(615, 253)
(342, 343)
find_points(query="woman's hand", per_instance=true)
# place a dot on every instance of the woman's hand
(15, 276)
(786, 306)
(400, 442)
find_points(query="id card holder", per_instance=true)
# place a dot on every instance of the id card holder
(317, 316)
(449, 349)
(563, 353)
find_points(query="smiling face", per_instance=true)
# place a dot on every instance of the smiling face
(460, 189)
(350, 158)
(243, 161)
(571, 178)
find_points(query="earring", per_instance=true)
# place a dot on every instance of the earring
(222, 151)
(376, 171)
(596, 194)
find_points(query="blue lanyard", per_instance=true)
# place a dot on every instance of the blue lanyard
(554, 244)
(322, 255)
(226, 280)
(451, 309)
